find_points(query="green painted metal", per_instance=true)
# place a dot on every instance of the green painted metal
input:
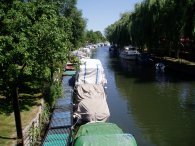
(103, 134)
(55, 143)
(98, 128)
(56, 139)
(69, 73)
(106, 140)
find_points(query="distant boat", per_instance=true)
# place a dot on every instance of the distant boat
(129, 53)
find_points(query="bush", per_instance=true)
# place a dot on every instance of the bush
(55, 91)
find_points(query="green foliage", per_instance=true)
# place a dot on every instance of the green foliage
(155, 24)
(77, 23)
(119, 32)
(34, 133)
(45, 115)
(55, 92)
(94, 37)
(36, 37)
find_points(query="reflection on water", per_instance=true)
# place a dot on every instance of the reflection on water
(128, 65)
(186, 97)
(157, 108)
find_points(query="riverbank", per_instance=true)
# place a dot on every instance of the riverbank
(7, 121)
(181, 66)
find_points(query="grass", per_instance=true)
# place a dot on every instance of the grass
(7, 129)
(29, 108)
(183, 61)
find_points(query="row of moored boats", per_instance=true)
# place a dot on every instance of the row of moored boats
(81, 116)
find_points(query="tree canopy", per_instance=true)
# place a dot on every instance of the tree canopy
(93, 36)
(35, 39)
(156, 24)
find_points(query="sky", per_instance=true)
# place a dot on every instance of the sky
(102, 13)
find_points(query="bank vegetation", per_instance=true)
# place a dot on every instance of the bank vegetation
(162, 27)
(36, 37)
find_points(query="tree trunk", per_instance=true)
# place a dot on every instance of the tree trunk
(51, 76)
(177, 53)
(17, 117)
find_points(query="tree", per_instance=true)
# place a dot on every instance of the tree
(78, 24)
(119, 33)
(150, 26)
(93, 37)
(34, 40)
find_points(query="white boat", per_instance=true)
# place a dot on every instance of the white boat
(91, 72)
(129, 53)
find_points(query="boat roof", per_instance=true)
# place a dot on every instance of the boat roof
(91, 61)
(103, 133)
(130, 47)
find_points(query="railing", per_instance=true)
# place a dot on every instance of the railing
(32, 132)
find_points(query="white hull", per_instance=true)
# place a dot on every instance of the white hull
(128, 56)
(129, 53)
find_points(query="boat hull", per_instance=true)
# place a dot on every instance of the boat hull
(128, 56)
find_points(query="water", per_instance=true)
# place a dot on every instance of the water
(157, 108)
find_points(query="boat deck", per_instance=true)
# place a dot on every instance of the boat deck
(59, 131)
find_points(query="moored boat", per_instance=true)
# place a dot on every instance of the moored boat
(91, 72)
(102, 134)
(69, 66)
(91, 103)
(88, 101)
(59, 131)
(69, 69)
(129, 53)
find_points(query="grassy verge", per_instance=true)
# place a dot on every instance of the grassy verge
(181, 61)
(29, 107)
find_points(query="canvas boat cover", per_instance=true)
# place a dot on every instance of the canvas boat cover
(86, 50)
(93, 110)
(91, 72)
(80, 54)
(106, 140)
(92, 103)
(103, 134)
(98, 128)
(89, 91)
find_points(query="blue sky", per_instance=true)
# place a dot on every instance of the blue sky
(101, 13)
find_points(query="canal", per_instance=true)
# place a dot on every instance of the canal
(157, 108)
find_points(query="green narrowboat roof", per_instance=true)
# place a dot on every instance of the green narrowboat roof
(69, 73)
(102, 134)
(98, 128)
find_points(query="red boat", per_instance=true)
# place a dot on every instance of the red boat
(69, 66)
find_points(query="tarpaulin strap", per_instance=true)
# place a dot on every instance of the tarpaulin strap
(97, 74)
(85, 71)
